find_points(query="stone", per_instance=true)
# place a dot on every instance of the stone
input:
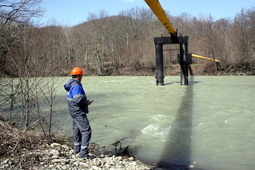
(54, 152)
(131, 159)
(59, 161)
(58, 156)
(64, 167)
(54, 145)
(65, 147)
(119, 158)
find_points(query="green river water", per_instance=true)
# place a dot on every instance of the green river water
(208, 124)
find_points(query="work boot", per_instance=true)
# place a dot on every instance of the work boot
(89, 157)
(84, 152)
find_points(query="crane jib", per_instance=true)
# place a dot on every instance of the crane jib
(160, 13)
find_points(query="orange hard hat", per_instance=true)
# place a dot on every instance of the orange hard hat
(76, 71)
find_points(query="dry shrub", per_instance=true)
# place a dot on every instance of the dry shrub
(13, 141)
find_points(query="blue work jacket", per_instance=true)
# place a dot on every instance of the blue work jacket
(76, 97)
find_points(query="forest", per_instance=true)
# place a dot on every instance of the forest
(121, 44)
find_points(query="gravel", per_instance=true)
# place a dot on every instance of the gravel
(61, 157)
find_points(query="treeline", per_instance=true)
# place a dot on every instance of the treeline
(120, 45)
(103, 45)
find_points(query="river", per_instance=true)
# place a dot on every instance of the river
(208, 124)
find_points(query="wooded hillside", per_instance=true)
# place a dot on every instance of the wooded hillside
(123, 44)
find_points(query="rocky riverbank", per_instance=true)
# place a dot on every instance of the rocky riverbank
(57, 156)
(28, 150)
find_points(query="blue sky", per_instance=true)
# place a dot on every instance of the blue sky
(73, 12)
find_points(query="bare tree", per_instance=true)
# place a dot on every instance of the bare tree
(20, 11)
(13, 13)
(245, 26)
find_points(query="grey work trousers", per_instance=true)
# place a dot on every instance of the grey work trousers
(81, 134)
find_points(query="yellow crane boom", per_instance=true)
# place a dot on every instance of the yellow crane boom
(206, 58)
(160, 13)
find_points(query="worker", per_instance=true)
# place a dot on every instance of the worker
(78, 109)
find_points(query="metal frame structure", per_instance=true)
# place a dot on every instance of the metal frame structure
(184, 58)
(173, 39)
